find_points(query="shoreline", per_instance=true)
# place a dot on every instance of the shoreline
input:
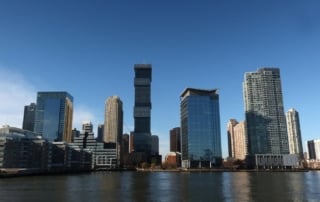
(8, 173)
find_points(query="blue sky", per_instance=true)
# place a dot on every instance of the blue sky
(88, 48)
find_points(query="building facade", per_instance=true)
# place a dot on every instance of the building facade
(314, 149)
(237, 143)
(113, 125)
(100, 133)
(200, 128)
(54, 114)
(142, 111)
(294, 133)
(264, 111)
(175, 140)
(154, 145)
(29, 117)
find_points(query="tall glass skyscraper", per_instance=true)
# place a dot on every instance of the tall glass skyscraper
(142, 109)
(200, 128)
(266, 122)
(54, 113)
(294, 133)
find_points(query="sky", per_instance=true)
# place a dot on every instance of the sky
(89, 48)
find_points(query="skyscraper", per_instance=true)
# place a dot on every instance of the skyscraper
(29, 117)
(314, 149)
(294, 133)
(237, 143)
(54, 113)
(142, 109)
(113, 125)
(113, 120)
(154, 145)
(266, 122)
(200, 128)
(100, 133)
(175, 140)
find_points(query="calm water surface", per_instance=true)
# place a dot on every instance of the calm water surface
(164, 186)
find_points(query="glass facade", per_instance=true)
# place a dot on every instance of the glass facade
(53, 118)
(200, 128)
(142, 108)
(266, 122)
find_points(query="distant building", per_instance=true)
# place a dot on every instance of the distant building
(237, 143)
(314, 149)
(142, 112)
(154, 145)
(29, 117)
(100, 133)
(87, 127)
(53, 118)
(200, 128)
(265, 117)
(175, 140)
(113, 124)
(124, 151)
(294, 133)
(113, 120)
(173, 159)
(75, 133)
(131, 146)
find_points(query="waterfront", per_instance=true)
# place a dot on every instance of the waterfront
(164, 186)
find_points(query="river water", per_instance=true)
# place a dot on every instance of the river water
(164, 186)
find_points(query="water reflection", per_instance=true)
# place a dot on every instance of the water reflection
(165, 186)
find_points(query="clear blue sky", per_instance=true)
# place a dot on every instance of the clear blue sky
(88, 48)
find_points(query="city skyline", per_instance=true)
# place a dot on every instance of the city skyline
(89, 53)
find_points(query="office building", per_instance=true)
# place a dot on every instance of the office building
(154, 145)
(264, 111)
(113, 124)
(175, 142)
(113, 120)
(131, 146)
(29, 117)
(314, 149)
(237, 143)
(100, 133)
(294, 133)
(200, 128)
(142, 111)
(53, 118)
(124, 152)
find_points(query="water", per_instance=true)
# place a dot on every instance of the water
(164, 186)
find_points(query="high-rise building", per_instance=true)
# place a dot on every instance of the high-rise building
(131, 146)
(113, 120)
(294, 133)
(142, 109)
(53, 118)
(314, 149)
(237, 143)
(100, 133)
(200, 128)
(265, 118)
(124, 149)
(29, 117)
(175, 143)
(87, 127)
(154, 145)
(113, 125)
